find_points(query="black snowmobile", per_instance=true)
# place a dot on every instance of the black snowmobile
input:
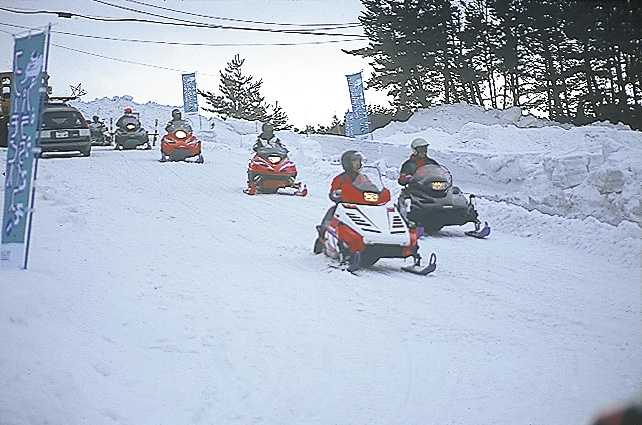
(99, 134)
(130, 134)
(430, 200)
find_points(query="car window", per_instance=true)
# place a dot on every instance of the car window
(62, 120)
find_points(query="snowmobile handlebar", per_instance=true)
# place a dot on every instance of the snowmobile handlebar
(335, 195)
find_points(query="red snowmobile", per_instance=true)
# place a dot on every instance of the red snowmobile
(271, 171)
(180, 143)
(365, 228)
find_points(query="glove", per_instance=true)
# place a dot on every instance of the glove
(405, 179)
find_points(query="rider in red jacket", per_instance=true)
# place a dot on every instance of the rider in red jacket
(341, 189)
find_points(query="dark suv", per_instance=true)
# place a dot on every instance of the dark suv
(64, 129)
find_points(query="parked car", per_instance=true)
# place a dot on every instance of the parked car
(64, 129)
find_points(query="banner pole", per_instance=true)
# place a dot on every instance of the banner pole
(36, 152)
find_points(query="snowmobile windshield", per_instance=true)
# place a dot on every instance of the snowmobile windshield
(62, 119)
(434, 177)
(272, 151)
(129, 123)
(368, 180)
(184, 125)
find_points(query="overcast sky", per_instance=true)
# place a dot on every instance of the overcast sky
(308, 81)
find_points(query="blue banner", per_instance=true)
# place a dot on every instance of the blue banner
(190, 95)
(358, 101)
(24, 119)
(349, 124)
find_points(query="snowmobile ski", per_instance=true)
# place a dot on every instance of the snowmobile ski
(296, 190)
(479, 233)
(422, 271)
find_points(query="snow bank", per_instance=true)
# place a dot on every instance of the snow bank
(451, 118)
(576, 172)
(573, 172)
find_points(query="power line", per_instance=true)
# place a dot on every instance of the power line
(126, 60)
(156, 15)
(221, 18)
(178, 43)
(65, 14)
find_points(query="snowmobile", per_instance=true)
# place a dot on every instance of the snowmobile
(130, 134)
(431, 201)
(365, 228)
(271, 171)
(99, 134)
(180, 143)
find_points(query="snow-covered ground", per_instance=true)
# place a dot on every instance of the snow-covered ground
(161, 294)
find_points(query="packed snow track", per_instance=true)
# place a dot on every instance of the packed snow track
(161, 294)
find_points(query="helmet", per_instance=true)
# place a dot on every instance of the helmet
(176, 112)
(128, 110)
(267, 127)
(348, 157)
(417, 143)
(95, 118)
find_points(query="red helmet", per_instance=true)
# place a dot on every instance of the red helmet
(128, 110)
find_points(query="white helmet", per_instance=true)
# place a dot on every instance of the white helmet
(418, 142)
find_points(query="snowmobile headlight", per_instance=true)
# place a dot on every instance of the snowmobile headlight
(130, 126)
(180, 134)
(370, 196)
(439, 185)
(274, 159)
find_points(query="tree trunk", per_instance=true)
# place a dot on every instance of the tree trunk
(479, 95)
(505, 95)
(447, 85)
(515, 88)
(622, 96)
(552, 87)
(590, 79)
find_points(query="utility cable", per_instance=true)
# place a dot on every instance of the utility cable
(64, 14)
(222, 18)
(178, 43)
(127, 60)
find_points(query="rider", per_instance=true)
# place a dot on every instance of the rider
(418, 159)
(127, 113)
(267, 139)
(177, 121)
(96, 121)
(351, 161)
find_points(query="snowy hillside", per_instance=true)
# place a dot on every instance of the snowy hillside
(161, 294)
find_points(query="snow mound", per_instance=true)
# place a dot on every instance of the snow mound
(451, 118)
(506, 156)
(574, 172)
(155, 116)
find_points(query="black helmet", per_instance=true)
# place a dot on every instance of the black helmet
(176, 112)
(267, 128)
(347, 158)
(95, 118)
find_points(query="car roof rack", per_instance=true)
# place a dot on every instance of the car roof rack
(60, 99)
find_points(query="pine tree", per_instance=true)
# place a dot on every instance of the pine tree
(278, 118)
(241, 94)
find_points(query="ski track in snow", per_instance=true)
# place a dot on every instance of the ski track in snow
(161, 294)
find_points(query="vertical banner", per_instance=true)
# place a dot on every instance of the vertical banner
(190, 95)
(349, 124)
(358, 101)
(24, 119)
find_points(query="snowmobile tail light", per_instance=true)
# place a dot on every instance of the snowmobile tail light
(180, 134)
(130, 126)
(274, 159)
(370, 196)
(439, 185)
